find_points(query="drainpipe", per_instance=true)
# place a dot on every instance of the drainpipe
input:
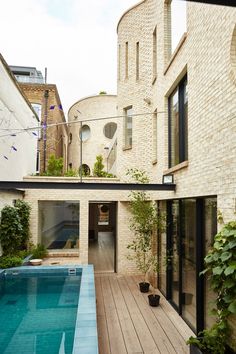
(46, 95)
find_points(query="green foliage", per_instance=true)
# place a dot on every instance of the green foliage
(221, 266)
(145, 222)
(8, 262)
(39, 251)
(102, 93)
(71, 173)
(98, 168)
(23, 209)
(55, 166)
(10, 230)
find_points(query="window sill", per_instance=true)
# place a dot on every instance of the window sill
(176, 168)
(126, 148)
(177, 49)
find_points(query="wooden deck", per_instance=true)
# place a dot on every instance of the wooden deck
(127, 324)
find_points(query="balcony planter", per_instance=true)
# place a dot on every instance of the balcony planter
(144, 287)
(154, 300)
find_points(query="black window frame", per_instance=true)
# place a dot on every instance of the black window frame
(183, 140)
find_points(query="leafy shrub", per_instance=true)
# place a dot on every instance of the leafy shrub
(8, 261)
(23, 209)
(55, 166)
(10, 230)
(39, 251)
(71, 173)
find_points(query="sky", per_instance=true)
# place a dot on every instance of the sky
(75, 39)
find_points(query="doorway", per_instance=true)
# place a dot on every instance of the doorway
(102, 236)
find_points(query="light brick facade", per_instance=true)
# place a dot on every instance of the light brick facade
(56, 136)
(89, 111)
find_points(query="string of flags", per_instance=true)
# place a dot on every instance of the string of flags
(54, 106)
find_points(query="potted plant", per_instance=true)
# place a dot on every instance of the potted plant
(144, 223)
(221, 265)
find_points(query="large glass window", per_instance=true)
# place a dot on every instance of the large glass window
(188, 248)
(162, 251)
(128, 125)
(59, 224)
(178, 124)
(210, 231)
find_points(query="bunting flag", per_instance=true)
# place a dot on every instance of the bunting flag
(5, 157)
(35, 134)
(52, 107)
(13, 134)
(14, 148)
(60, 107)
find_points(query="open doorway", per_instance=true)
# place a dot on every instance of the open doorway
(102, 236)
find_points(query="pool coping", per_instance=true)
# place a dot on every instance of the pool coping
(85, 337)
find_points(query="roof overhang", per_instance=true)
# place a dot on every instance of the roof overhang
(215, 2)
(85, 186)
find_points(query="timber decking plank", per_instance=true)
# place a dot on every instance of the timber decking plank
(169, 328)
(103, 339)
(146, 340)
(162, 340)
(127, 327)
(116, 340)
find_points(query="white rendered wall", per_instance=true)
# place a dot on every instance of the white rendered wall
(15, 113)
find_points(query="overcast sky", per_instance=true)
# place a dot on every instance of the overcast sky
(74, 39)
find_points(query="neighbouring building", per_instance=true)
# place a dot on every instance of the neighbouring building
(46, 102)
(177, 99)
(18, 148)
(98, 135)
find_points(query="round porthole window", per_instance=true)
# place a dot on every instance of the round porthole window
(85, 170)
(85, 133)
(104, 208)
(109, 130)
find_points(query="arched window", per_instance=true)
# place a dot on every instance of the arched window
(109, 130)
(85, 133)
(85, 170)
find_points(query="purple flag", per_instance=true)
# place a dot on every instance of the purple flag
(60, 107)
(14, 148)
(13, 134)
(34, 133)
(52, 107)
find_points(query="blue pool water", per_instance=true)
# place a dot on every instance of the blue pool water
(38, 312)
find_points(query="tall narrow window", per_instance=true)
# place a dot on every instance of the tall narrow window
(178, 124)
(128, 127)
(154, 54)
(126, 60)
(137, 61)
(119, 56)
(154, 137)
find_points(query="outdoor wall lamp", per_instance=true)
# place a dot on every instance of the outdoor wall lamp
(168, 179)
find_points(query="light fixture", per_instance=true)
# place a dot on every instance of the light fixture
(168, 179)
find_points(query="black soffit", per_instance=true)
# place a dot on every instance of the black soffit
(215, 2)
(7, 185)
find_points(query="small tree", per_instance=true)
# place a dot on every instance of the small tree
(98, 169)
(144, 222)
(55, 166)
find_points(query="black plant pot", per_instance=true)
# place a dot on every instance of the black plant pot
(144, 287)
(194, 349)
(154, 300)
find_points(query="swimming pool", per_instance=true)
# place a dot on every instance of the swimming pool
(48, 310)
